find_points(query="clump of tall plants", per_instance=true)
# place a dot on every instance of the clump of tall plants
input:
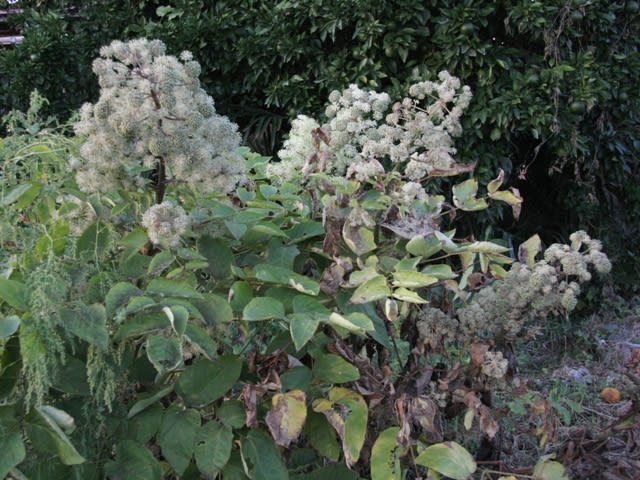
(182, 307)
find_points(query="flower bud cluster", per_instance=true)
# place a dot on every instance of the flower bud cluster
(516, 304)
(151, 109)
(165, 223)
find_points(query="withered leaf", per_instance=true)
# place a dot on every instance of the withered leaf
(478, 351)
(487, 423)
(287, 416)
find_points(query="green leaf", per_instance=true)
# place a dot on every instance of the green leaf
(284, 276)
(143, 404)
(305, 230)
(199, 337)
(408, 296)
(138, 304)
(281, 255)
(46, 436)
(88, 323)
(236, 229)
(549, 470)
(371, 290)
(206, 381)
(245, 195)
(321, 436)
(177, 436)
(268, 228)
(144, 425)
(160, 262)
(93, 241)
(334, 472)
(296, 378)
(8, 326)
(241, 293)
(218, 255)
(332, 368)
(408, 279)
(262, 457)
(287, 416)
(178, 317)
(302, 327)
(119, 295)
(132, 243)
(214, 308)
(12, 452)
(72, 377)
(14, 293)
(448, 458)
(263, 308)
(15, 193)
(27, 198)
(307, 304)
(171, 288)
(232, 414)
(213, 448)
(10, 365)
(385, 456)
(60, 417)
(141, 324)
(164, 353)
(424, 246)
(133, 461)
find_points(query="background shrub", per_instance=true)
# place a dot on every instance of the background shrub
(553, 102)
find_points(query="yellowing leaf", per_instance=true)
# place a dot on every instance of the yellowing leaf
(408, 296)
(286, 417)
(414, 279)
(549, 470)
(359, 239)
(350, 423)
(357, 323)
(385, 456)
(448, 458)
(529, 249)
(495, 184)
(371, 290)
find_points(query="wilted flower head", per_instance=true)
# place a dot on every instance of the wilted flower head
(165, 222)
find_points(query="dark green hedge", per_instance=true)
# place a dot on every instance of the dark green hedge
(555, 82)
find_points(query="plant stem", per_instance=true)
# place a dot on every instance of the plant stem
(161, 184)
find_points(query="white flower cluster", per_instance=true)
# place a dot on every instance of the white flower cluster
(297, 149)
(417, 132)
(165, 223)
(526, 295)
(151, 109)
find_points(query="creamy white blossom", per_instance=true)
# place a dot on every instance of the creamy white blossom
(152, 110)
(363, 125)
(165, 222)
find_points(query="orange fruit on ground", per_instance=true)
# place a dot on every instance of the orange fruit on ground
(610, 395)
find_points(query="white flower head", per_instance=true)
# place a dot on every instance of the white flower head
(165, 222)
